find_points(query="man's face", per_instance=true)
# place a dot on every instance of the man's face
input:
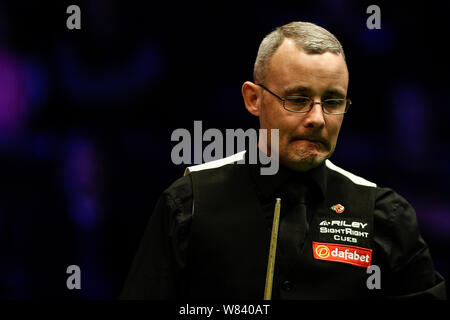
(306, 139)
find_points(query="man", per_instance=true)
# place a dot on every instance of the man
(209, 235)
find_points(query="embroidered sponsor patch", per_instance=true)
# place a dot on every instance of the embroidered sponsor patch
(356, 256)
(344, 230)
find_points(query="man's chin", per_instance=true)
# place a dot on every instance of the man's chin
(303, 163)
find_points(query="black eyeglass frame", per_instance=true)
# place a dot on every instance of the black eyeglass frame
(348, 102)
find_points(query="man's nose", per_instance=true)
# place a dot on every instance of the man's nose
(315, 118)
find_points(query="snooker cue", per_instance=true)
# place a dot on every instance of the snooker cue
(272, 251)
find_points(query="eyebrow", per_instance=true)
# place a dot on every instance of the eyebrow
(295, 90)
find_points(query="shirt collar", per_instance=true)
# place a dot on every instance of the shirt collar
(270, 186)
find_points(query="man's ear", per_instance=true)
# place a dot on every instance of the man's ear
(252, 97)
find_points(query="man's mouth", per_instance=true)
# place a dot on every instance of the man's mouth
(308, 139)
(311, 140)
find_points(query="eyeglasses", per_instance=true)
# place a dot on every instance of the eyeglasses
(302, 104)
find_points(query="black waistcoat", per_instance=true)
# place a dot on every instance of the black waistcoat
(230, 240)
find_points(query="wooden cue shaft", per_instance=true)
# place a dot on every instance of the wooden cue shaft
(272, 251)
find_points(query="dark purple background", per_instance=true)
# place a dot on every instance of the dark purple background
(86, 118)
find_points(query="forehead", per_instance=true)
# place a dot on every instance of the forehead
(291, 66)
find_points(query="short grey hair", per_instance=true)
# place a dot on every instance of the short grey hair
(308, 36)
